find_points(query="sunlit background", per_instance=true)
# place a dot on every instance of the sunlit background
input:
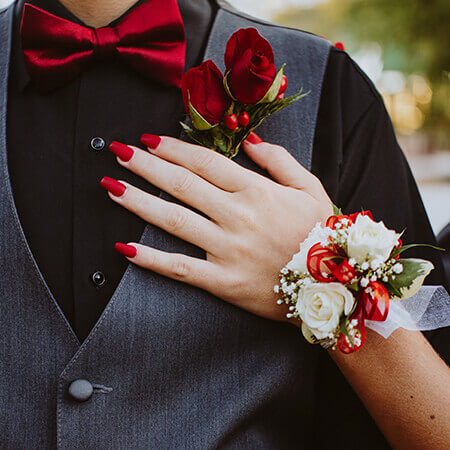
(403, 46)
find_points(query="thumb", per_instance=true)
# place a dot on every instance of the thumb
(280, 164)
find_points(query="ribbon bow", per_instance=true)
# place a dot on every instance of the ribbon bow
(150, 39)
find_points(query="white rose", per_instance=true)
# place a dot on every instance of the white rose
(320, 306)
(298, 261)
(368, 240)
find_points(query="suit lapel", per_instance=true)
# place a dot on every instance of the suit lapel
(9, 218)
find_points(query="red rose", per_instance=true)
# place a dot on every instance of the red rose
(249, 61)
(204, 84)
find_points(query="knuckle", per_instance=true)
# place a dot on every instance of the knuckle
(203, 161)
(175, 219)
(181, 184)
(277, 151)
(151, 260)
(317, 184)
(180, 268)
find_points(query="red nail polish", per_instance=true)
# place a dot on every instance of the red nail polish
(151, 140)
(125, 249)
(121, 150)
(111, 185)
(253, 138)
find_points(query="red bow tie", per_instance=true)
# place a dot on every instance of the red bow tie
(150, 39)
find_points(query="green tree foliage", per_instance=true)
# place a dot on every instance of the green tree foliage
(414, 35)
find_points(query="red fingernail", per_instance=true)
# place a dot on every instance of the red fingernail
(253, 138)
(128, 250)
(111, 185)
(150, 140)
(124, 152)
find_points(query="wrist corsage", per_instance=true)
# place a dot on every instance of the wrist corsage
(347, 275)
(225, 109)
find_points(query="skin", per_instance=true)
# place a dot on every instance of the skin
(238, 237)
(401, 380)
(98, 13)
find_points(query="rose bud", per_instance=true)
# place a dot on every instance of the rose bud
(203, 87)
(249, 63)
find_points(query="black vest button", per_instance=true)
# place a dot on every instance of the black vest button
(97, 143)
(81, 390)
(98, 278)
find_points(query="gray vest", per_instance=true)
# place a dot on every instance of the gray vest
(171, 366)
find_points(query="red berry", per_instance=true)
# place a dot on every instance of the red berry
(340, 46)
(243, 119)
(283, 84)
(231, 121)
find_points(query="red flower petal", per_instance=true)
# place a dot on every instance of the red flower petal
(362, 213)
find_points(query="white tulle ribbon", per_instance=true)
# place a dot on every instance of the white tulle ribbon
(428, 309)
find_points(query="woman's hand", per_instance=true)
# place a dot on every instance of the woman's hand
(254, 224)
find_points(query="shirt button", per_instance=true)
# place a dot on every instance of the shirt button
(81, 390)
(97, 143)
(98, 278)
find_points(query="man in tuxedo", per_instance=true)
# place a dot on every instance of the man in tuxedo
(105, 360)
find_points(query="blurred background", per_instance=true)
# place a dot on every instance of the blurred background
(404, 47)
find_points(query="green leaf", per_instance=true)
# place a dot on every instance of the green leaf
(337, 211)
(227, 89)
(186, 127)
(197, 119)
(272, 92)
(354, 286)
(343, 325)
(393, 292)
(399, 250)
(408, 282)
(230, 109)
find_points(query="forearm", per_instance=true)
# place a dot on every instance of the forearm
(404, 385)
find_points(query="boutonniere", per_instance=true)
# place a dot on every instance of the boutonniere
(225, 109)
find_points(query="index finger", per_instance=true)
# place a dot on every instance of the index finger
(210, 165)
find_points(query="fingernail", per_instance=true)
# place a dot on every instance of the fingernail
(253, 138)
(111, 185)
(128, 250)
(150, 140)
(124, 152)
